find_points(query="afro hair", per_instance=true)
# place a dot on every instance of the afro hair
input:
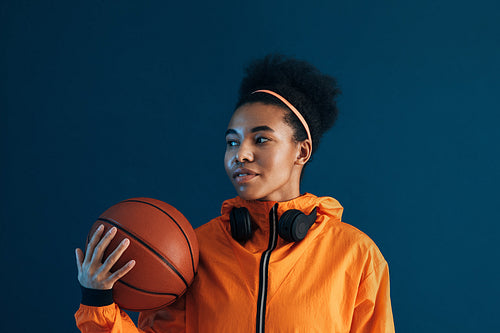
(311, 92)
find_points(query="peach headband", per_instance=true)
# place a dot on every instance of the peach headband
(291, 107)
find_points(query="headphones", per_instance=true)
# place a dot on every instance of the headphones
(293, 225)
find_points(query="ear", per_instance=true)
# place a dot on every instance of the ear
(304, 152)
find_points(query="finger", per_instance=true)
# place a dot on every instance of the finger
(121, 272)
(115, 255)
(92, 243)
(79, 260)
(103, 244)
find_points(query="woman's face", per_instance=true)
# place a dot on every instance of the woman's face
(262, 160)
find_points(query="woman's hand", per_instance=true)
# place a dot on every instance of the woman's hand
(92, 272)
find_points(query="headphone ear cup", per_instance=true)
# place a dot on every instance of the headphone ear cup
(287, 225)
(294, 225)
(241, 224)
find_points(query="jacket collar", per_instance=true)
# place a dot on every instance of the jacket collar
(259, 210)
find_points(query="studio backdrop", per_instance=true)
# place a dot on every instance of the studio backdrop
(102, 101)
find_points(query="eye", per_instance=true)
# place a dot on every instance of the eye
(231, 143)
(261, 139)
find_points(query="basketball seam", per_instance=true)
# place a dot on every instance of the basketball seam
(146, 291)
(180, 228)
(117, 225)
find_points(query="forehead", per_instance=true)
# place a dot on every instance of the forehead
(251, 115)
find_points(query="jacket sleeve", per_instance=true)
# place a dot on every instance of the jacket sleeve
(373, 311)
(98, 317)
(104, 319)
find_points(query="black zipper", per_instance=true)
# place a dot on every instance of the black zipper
(264, 269)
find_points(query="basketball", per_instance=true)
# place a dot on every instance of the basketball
(164, 246)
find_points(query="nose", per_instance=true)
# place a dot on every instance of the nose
(244, 154)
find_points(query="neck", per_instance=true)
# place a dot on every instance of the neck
(285, 194)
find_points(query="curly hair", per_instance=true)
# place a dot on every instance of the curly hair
(311, 92)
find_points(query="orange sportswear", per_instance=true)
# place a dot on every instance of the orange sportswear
(334, 280)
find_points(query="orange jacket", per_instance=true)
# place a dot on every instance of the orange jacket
(334, 280)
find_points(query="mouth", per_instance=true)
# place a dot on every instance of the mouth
(242, 176)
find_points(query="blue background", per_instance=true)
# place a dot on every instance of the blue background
(107, 100)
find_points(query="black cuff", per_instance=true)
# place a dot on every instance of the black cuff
(97, 297)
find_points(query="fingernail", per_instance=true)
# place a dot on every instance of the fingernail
(126, 241)
(112, 230)
(100, 227)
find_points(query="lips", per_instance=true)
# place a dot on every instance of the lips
(243, 175)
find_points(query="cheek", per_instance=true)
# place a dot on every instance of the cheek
(227, 161)
(279, 163)
(282, 162)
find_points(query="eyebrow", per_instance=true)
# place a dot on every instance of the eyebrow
(253, 130)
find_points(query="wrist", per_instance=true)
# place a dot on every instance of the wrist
(96, 297)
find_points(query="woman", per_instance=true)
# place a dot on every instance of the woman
(275, 260)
